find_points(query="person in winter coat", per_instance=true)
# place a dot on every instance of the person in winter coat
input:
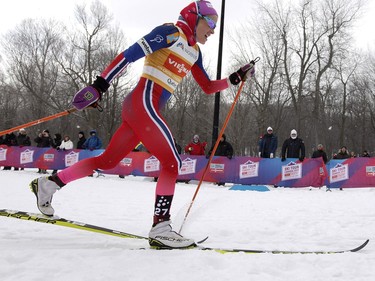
(293, 147)
(66, 144)
(268, 144)
(23, 139)
(93, 142)
(57, 140)
(195, 147)
(319, 152)
(10, 140)
(170, 52)
(342, 154)
(365, 154)
(81, 140)
(44, 139)
(224, 148)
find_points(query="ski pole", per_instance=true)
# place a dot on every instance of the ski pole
(217, 143)
(38, 121)
(213, 152)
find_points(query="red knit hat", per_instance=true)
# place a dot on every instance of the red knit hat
(189, 17)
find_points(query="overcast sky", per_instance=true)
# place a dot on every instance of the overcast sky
(138, 17)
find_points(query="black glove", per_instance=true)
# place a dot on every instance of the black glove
(229, 157)
(64, 149)
(283, 159)
(240, 75)
(58, 148)
(301, 159)
(101, 85)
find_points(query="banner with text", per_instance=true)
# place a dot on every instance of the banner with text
(352, 172)
(239, 170)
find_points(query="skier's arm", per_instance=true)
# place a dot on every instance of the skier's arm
(161, 37)
(201, 76)
(213, 86)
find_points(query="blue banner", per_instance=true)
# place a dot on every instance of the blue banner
(239, 170)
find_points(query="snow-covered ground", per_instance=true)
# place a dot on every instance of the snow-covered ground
(283, 218)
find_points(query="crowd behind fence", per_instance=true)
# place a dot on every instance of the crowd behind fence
(351, 172)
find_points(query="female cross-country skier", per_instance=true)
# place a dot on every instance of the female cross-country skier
(170, 52)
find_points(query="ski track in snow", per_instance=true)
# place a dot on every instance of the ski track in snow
(283, 218)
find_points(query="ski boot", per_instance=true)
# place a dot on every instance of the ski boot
(162, 236)
(43, 188)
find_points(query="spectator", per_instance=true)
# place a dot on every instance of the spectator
(365, 154)
(23, 139)
(342, 153)
(10, 140)
(268, 144)
(293, 147)
(352, 154)
(224, 149)
(195, 147)
(81, 140)
(93, 142)
(319, 152)
(57, 140)
(66, 144)
(44, 140)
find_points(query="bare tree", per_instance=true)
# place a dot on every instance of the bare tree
(32, 72)
(91, 46)
(336, 18)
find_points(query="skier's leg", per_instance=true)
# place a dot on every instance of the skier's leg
(144, 109)
(122, 142)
